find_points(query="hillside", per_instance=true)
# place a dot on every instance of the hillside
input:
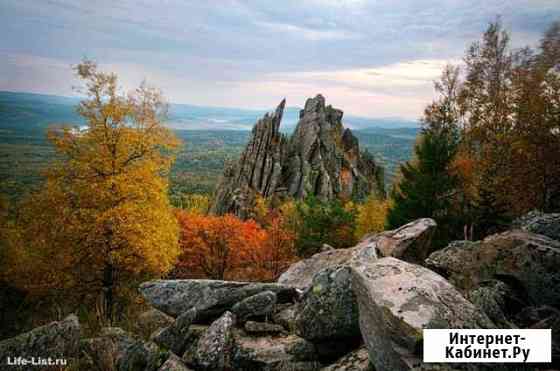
(211, 136)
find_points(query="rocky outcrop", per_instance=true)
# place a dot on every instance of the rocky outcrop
(174, 363)
(540, 223)
(258, 171)
(150, 321)
(211, 298)
(175, 336)
(397, 300)
(527, 261)
(56, 340)
(321, 158)
(252, 327)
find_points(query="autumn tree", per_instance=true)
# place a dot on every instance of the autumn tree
(426, 188)
(102, 216)
(371, 216)
(215, 246)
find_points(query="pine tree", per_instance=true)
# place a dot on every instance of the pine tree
(426, 188)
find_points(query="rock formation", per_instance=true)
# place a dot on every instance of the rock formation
(320, 158)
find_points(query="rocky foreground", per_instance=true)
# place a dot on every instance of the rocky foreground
(361, 308)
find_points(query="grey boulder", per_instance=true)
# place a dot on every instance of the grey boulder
(213, 349)
(175, 336)
(211, 298)
(59, 339)
(397, 300)
(257, 305)
(328, 309)
(540, 223)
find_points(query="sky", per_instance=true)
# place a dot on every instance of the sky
(374, 58)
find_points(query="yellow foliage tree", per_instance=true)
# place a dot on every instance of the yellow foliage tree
(195, 203)
(103, 216)
(371, 216)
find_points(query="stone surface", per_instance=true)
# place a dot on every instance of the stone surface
(409, 242)
(286, 317)
(328, 309)
(540, 223)
(174, 363)
(59, 339)
(152, 320)
(320, 158)
(498, 300)
(257, 305)
(142, 355)
(213, 349)
(105, 351)
(356, 360)
(522, 259)
(273, 353)
(175, 336)
(253, 327)
(210, 297)
(397, 300)
(258, 171)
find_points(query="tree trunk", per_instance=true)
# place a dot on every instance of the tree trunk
(108, 291)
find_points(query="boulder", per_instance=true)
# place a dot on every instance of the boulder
(106, 350)
(175, 336)
(174, 363)
(410, 242)
(142, 355)
(257, 305)
(526, 261)
(273, 353)
(286, 317)
(213, 349)
(301, 274)
(252, 327)
(150, 321)
(357, 360)
(60, 339)
(540, 223)
(397, 300)
(498, 300)
(211, 298)
(328, 309)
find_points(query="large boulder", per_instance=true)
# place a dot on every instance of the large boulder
(174, 363)
(522, 259)
(213, 349)
(328, 309)
(397, 300)
(176, 336)
(540, 223)
(498, 300)
(410, 242)
(211, 298)
(59, 339)
(257, 305)
(252, 327)
(357, 360)
(150, 321)
(273, 353)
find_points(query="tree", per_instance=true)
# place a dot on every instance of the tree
(371, 216)
(426, 188)
(102, 216)
(321, 222)
(215, 246)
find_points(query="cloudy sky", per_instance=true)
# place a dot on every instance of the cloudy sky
(374, 58)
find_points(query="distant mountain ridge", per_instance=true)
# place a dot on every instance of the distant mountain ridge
(37, 111)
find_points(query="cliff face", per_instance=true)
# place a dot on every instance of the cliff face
(321, 158)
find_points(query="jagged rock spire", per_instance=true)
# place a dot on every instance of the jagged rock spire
(320, 158)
